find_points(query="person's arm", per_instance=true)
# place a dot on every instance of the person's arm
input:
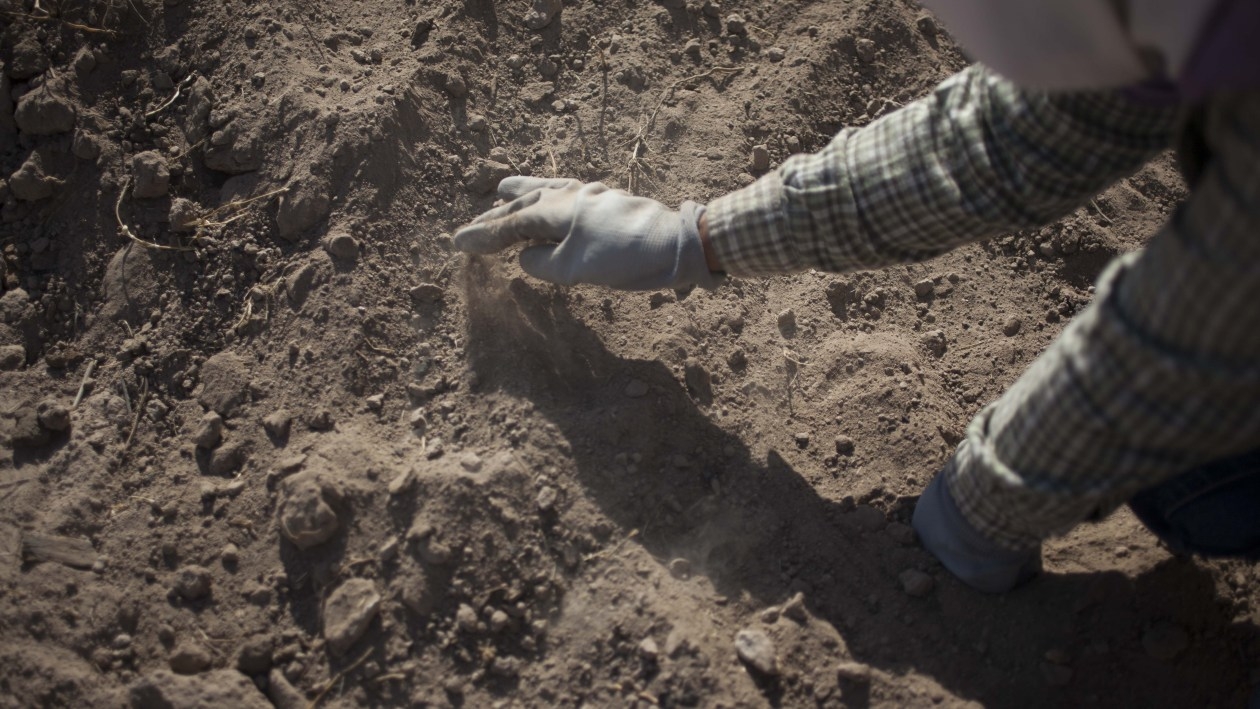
(975, 158)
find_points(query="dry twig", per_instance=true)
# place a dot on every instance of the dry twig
(87, 374)
(126, 230)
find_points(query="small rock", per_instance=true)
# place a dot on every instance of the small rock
(802, 439)
(426, 293)
(228, 458)
(845, 445)
(192, 583)
(304, 206)
(934, 341)
(927, 25)
(916, 583)
(866, 50)
(209, 431)
(470, 462)
(254, 656)
(230, 555)
(342, 246)
(278, 423)
(348, 612)
(283, 694)
(636, 388)
(856, 672)
(485, 175)
(498, 621)
(304, 515)
(795, 608)
(760, 158)
(736, 25)
(466, 618)
(776, 54)
(924, 289)
(1165, 640)
(756, 650)
(12, 357)
(1012, 326)
(223, 378)
(375, 402)
(680, 568)
(648, 650)
(542, 14)
(152, 176)
(53, 415)
(546, 499)
(787, 322)
(189, 659)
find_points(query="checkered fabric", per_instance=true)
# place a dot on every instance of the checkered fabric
(1160, 374)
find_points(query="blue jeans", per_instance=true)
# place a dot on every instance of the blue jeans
(1211, 511)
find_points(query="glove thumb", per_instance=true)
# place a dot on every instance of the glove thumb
(543, 262)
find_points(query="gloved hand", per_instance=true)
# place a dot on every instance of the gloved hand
(592, 234)
(971, 557)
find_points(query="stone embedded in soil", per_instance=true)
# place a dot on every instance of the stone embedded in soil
(756, 650)
(152, 176)
(29, 183)
(542, 13)
(305, 204)
(760, 158)
(12, 357)
(304, 515)
(189, 659)
(347, 613)
(209, 431)
(43, 112)
(278, 423)
(220, 688)
(192, 583)
(342, 246)
(1165, 640)
(856, 672)
(223, 380)
(484, 176)
(916, 583)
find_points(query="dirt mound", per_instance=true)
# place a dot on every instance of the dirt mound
(311, 456)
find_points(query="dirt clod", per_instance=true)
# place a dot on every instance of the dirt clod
(350, 608)
(192, 583)
(190, 658)
(303, 513)
(152, 176)
(209, 431)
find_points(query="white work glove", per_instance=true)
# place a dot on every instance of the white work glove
(588, 233)
(963, 550)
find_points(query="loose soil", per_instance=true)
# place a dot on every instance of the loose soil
(268, 441)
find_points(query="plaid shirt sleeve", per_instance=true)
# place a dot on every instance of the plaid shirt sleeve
(1159, 375)
(975, 158)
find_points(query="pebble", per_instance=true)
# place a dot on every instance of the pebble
(916, 583)
(278, 423)
(636, 388)
(802, 439)
(466, 618)
(304, 516)
(209, 431)
(756, 650)
(254, 657)
(736, 25)
(348, 612)
(648, 650)
(228, 458)
(845, 445)
(341, 246)
(680, 568)
(795, 608)
(542, 13)
(230, 554)
(546, 500)
(1011, 326)
(857, 672)
(760, 158)
(189, 659)
(471, 462)
(776, 54)
(498, 621)
(926, 24)
(924, 289)
(1165, 640)
(787, 321)
(193, 582)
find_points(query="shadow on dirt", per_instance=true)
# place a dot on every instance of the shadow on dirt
(760, 532)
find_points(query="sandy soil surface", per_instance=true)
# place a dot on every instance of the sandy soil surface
(268, 441)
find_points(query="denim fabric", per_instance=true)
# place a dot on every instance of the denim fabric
(1213, 510)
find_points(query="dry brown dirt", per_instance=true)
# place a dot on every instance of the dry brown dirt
(266, 439)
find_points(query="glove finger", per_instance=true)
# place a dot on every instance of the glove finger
(490, 236)
(518, 185)
(509, 207)
(541, 262)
